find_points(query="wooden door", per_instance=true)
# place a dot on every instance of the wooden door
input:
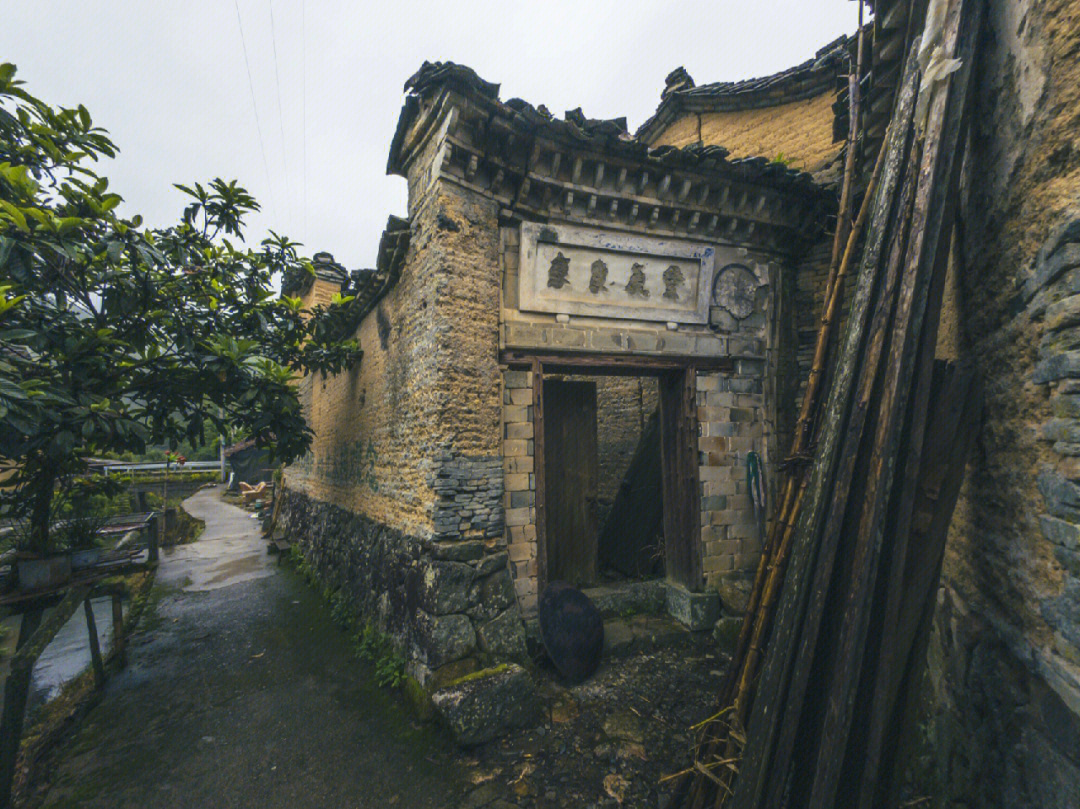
(682, 521)
(570, 476)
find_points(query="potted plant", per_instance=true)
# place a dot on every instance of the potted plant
(36, 572)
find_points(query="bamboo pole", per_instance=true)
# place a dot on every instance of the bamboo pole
(771, 686)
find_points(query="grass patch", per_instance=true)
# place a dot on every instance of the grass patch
(369, 644)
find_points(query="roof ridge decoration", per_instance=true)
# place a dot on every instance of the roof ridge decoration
(592, 171)
(805, 80)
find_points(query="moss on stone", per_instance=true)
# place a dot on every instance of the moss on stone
(481, 674)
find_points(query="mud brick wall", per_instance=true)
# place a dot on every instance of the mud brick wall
(399, 504)
(799, 131)
(411, 438)
(1001, 723)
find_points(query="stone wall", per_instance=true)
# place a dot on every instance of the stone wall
(1003, 719)
(400, 502)
(448, 605)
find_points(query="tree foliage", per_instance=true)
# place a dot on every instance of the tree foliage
(114, 335)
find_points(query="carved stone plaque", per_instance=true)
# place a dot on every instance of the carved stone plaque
(582, 271)
(734, 290)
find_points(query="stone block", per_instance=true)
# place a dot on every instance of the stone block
(522, 334)
(517, 482)
(518, 464)
(443, 639)
(518, 379)
(521, 499)
(1065, 365)
(636, 341)
(695, 611)
(1064, 257)
(734, 590)
(1062, 497)
(520, 396)
(1060, 532)
(568, 338)
(488, 703)
(521, 551)
(519, 430)
(517, 516)
(444, 586)
(491, 595)
(515, 447)
(503, 637)
(515, 413)
(464, 550)
(726, 632)
(708, 382)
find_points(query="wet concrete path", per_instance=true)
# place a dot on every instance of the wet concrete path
(241, 693)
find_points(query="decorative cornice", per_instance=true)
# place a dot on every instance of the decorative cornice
(592, 172)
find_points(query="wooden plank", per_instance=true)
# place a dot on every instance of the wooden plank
(119, 647)
(571, 459)
(670, 405)
(808, 657)
(927, 239)
(763, 727)
(613, 364)
(95, 646)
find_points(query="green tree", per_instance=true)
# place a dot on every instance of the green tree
(115, 336)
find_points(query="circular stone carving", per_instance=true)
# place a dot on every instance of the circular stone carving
(734, 290)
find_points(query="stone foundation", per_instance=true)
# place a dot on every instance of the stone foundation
(448, 606)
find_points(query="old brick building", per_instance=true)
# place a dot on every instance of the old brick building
(571, 315)
(567, 313)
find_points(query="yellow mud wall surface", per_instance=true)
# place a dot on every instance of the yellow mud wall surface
(799, 132)
(427, 393)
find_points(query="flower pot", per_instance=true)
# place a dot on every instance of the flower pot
(43, 571)
(87, 557)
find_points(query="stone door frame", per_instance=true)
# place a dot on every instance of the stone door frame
(679, 445)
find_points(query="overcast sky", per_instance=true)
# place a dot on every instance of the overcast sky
(168, 79)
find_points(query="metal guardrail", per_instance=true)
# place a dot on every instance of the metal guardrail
(189, 466)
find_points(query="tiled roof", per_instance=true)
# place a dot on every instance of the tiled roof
(575, 129)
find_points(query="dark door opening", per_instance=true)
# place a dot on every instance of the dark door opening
(566, 483)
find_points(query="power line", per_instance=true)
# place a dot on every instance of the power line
(303, 113)
(281, 116)
(255, 109)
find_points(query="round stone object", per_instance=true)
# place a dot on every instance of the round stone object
(734, 290)
(572, 630)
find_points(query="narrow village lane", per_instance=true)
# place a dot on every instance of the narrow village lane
(240, 692)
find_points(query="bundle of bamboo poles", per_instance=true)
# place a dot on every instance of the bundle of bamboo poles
(844, 592)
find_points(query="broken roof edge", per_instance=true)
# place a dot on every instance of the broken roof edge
(433, 87)
(810, 79)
